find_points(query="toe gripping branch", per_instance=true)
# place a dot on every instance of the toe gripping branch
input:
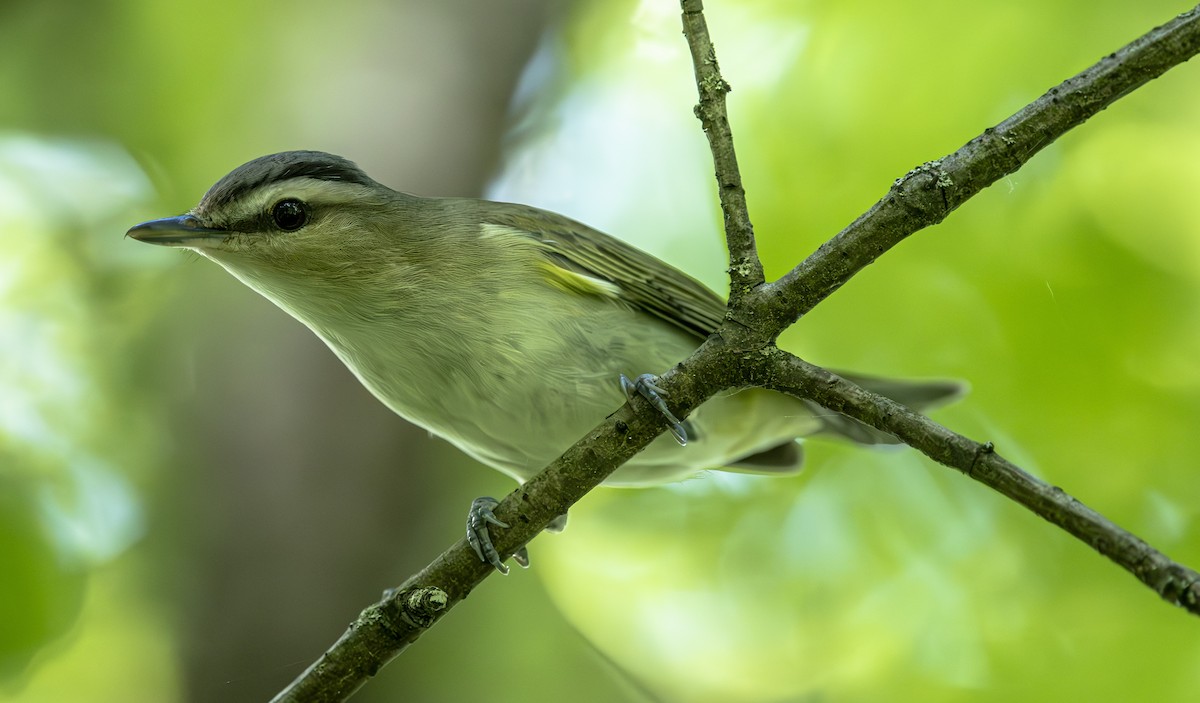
(646, 386)
(479, 518)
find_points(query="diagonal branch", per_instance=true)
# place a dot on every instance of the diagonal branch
(386, 628)
(735, 356)
(1174, 582)
(927, 194)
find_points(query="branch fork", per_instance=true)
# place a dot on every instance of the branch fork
(741, 354)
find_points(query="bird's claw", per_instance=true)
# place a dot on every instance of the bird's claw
(479, 517)
(646, 386)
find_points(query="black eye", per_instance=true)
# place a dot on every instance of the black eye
(289, 215)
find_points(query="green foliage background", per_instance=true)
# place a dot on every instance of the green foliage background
(195, 498)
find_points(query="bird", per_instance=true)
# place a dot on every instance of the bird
(507, 330)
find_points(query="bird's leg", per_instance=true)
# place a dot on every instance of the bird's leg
(646, 386)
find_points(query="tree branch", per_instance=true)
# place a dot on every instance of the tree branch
(927, 194)
(1174, 582)
(386, 628)
(735, 356)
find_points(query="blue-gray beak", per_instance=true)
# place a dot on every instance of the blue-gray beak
(184, 230)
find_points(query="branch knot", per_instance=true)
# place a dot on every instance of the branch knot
(419, 607)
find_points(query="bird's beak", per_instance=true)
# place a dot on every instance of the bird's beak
(182, 231)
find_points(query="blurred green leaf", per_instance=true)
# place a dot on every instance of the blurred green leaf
(41, 592)
(184, 468)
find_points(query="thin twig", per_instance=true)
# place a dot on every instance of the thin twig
(745, 268)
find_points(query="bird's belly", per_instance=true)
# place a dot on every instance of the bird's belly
(536, 425)
(522, 426)
(517, 402)
(516, 395)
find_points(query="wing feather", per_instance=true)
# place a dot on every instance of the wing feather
(644, 282)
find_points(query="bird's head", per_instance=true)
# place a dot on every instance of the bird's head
(300, 227)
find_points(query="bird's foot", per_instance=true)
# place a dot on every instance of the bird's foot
(646, 386)
(479, 517)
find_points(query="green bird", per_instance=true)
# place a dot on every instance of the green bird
(507, 330)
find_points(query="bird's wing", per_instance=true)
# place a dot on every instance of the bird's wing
(586, 260)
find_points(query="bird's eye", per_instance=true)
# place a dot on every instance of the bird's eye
(289, 215)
